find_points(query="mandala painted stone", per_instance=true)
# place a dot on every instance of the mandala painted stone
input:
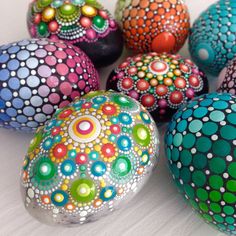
(91, 158)
(157, 25)
(213, 35)
(227, 79)
(160, 82)
(200, 146)
(83, 23)
(37, 76)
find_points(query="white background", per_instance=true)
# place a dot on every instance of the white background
(156, 210)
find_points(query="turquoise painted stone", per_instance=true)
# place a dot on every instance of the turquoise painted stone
(200, 147)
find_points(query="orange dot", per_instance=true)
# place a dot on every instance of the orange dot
(141, 13)
(140, 22)
(150, 14)
(161, 11)
(173, 1)
(144, 3)
(166, 5)
(153, 6)
(133, 12)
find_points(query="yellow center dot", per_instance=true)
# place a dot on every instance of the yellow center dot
(160, 77)
(168, 81)
(144, 68)
(139, 64)
(59, 197)
(177, 72)
(64, 187)
(87, 150)
(89, 11)
(172, 66)
(141, 74)
(48, 14)
(149, 75)
(154, 82)
(170, 74)
(108, 193)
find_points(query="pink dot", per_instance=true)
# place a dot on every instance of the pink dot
(52, 81)
(51, 60)
(71, 63)
(66, 88)
(61, 45)
(74, 95)
(91, 34)
(48, 109)
(63, 104)
(70, 52)
(73, 78)
(79, 70)
(43, 91)
(81, 84)
(50, 48)
(60, 54)
(44, 71)
(54, 98)
(62, 69)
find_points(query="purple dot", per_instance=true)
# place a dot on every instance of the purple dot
(43, 91)
(44, 71)
(48, 109)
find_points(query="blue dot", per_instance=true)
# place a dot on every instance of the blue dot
(13, 49)
(17, 103)
(14, 83)
(32, 63)
(4, 58)
(6, 94)
(23, 73)
(29, 111)
(11, 112)
(124, 143)
(15, 124)
(98, 168)
(13, 64)
(21, 119)
(32, 124)
(4, 117)
(23, 55)
(4, 75)
(25, 93)
(2, 104)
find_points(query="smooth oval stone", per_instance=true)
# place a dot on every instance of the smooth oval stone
(85, 24)
(200, 148)
(160, 82)
(153, 26)
(212, 38)
(90, 159)
(37, 76)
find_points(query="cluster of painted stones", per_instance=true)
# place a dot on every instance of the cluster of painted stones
(200, 146)
(160, 82)
(213, 35)
(89, 159)
(84, 23)
(158, 25)
(38, 76)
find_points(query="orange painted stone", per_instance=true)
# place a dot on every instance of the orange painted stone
(158, 25)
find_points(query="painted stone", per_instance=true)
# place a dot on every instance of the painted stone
(227, 79)
(200, 146)
(90, 159)
(37, 76)
(83, 23)
(160, 82)
(158, 25)
(213, 35)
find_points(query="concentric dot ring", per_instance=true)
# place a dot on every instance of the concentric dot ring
(159, 67)
(85, 129)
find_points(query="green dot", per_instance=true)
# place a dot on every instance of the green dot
(199, 161)
(232, 170)
(221, 105)
(185, 175)
(228, 132)
(203, 144)
(202, 194)
(67, 9)
(217, 116)
(199, 178)
(215, 196)
(122, 166)
(45, 169)
(200, 112)
(189, 141)
(217, 165)
(42, 29)
(229, 220)
(228, 210)
(99, 22)
(203, 206)
(232, 118)
(218, 218)
(229, 198)
(209, 128)
(141, 135)
(175, 154)
(189, 191)
(215, 207)
(186, 157)
(195, 126)
(221, 148)
(178, 138)
(207, 217)
(182, 126)
(216, 182)
(231, 185)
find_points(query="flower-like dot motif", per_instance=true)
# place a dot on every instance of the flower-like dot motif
(92, 155)
(200, 146)
(160, 82)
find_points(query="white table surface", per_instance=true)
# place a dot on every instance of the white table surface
(158, 209)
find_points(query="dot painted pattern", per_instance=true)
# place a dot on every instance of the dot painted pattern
(160, 82)
(38, 76)
(71, 20)
(89, 159)
(200, 147)
(156, 25)
(227, 79)
(213, 35)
